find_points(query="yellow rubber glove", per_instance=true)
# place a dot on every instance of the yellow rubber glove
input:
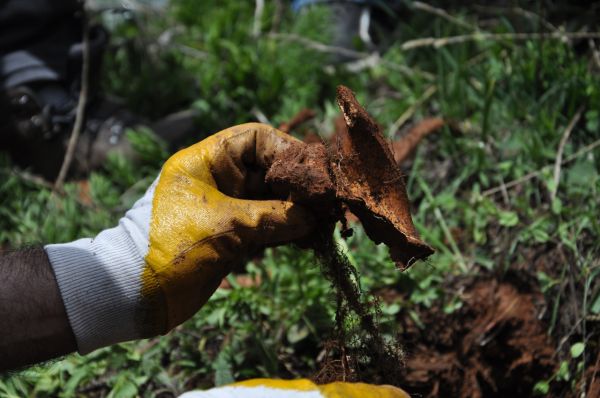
(172, 249)
(302, 388)
(201, 222)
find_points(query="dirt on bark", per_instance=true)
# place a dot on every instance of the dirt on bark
(357, 171)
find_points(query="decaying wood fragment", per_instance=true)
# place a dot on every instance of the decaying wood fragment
(359, 171)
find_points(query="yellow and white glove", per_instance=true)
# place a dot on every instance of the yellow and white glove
(302, 388)
(172, 248)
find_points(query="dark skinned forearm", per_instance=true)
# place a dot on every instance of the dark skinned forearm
(33, 322)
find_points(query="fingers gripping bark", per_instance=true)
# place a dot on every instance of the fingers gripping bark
(208, 210)
(204, 212)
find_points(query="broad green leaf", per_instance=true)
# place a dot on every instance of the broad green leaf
(391, 309)
(541, 387)
(508, 218)
(577, 349)
(563, 371)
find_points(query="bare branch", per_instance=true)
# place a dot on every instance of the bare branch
(516, 11)
(372, 58)
(260, 116)
(480, 36)
(31, 178)
(536, 174)
(411, 110)
(595, 53)
(258, 13)
(442, 14)
(561, 148)
(80, 113)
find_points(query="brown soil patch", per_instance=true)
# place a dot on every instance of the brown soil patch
(302, 173)
(594, 377)
(494, 346)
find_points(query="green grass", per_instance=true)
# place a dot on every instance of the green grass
(510, 102)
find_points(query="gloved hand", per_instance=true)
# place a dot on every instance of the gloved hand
(171, 250)
(301, 388)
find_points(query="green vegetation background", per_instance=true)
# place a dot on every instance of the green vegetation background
(510, 102)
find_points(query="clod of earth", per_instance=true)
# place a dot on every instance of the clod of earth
(495, 345)
(357, 171)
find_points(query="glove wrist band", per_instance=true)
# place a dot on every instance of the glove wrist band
(99, 281)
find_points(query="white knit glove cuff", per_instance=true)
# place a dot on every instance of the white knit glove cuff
(100, 280)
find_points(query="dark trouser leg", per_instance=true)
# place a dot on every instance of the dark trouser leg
(35, 38)
(38, 74)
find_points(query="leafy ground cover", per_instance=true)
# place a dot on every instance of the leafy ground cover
(507, 192)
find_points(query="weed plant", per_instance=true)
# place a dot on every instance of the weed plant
(508, 103)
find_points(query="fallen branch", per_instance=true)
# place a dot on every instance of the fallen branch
(479, 36)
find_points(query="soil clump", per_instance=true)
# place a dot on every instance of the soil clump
(495, 345)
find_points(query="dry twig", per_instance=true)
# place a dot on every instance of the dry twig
(536, 174)
(442, 14)
(561, 148)
(80, 113)
(407, 114)
(260, 115)
(258, 13)
(31, 178)
(595, 53)
(594, 390)
(480, 36)
(516, 11)
(190, 51)
(299, 118)
(277, 15)
(373, 58)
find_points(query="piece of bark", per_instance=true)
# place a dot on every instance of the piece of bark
(359, 171)
(369, 181)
